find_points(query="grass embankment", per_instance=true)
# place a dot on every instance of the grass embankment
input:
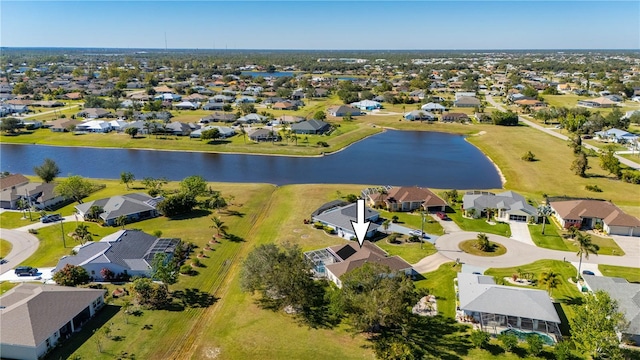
(471, 247)
(557, 240)
(551, 174)
(5, 248)
(631, 274)
(6, 286)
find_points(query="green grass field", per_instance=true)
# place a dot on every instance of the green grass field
(469, 246)
(631, 274)
(13, 219)
(414, 220)
(555, 241)
(5, 248)
(410, 252)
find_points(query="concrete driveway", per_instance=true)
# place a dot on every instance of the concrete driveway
(520, 232)
(630, 245)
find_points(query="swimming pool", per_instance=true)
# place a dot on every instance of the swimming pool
(522, 335)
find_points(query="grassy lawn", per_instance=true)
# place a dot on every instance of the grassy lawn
(479, 225)
(550, 239)
(469, 246)
(440, 284)
(566, 293)
(5, 248)
(631, 274)
(410, 252)
(13, 219)
(551, 174)
(6, 286)
(414, 220)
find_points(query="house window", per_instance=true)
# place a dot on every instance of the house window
(93, 272)
(48, 342)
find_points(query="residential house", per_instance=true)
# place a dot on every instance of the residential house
(49, 104)
(214, 106)
(94, 113)
(134, 207)
(626, 294)
(367, 105)
(420, 115)
(454, 117)
(310, 127)
(222, 98)
(195, 97)
(178, 128)
(335, 261)
(338, 216)
(499, 307)
(95, 126)
(16, 187)
(433, 107)
(405, 198)
(225, 131)
(506, 206)
(467, 101)
(245, 100)
(530, 103)
(35, 318)
(285, 105)
(186, 105)
(62, 125)
(264, 135)
(218, 117)
(601, 102)
(587, 214)
(252, 119)
(168, 97)
(617, 136)
(343, 110)
(128, 252)
(291, 119)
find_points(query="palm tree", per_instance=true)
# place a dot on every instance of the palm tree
(386, 224)
(244, 133)
(121, 221)
(550, 279)
(544, 211)
(483, 242)
(585, 247)
(221, 228)
(82, 233)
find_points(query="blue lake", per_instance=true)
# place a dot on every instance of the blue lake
(407, 158)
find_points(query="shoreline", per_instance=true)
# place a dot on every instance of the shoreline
(503, 179)
(206, 152)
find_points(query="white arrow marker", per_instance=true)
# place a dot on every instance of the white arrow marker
(360, 227)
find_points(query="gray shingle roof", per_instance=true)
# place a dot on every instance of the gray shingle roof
(116, 206)
(513, 202)
(480, 293)
(31, 313)
(627, 295)
(342, 216)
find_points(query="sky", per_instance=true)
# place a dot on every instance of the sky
(309, 25)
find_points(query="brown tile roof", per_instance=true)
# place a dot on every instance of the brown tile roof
(414, 194)
(357, 256)
(608, 212)
(10, 181)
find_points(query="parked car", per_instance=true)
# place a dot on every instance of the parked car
(26, 271)
(588, 272)
(419, 233)
(50, 218)
(442, 216)
(3, 261)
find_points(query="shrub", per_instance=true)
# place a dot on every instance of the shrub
(329, 230)
(196, 262)
(479, 338)
(318, 225)
(33, 231)
(562, 351)
(593, 188)
(323, 144)
(107, 274)
(529, 156)
(509, 341)
(186, 270)
(535, 344)
(631, 176)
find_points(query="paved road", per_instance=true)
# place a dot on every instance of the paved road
(551, 132)
(519, 253)
(24, 244)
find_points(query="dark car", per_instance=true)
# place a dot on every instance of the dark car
(3, 261)
(442, 216)
(588, 272)
(26, 271)
(50, 218)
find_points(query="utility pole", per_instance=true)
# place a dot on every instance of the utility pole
(64, 242)
(422, 230)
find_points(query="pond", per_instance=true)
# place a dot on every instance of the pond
(407, 158)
